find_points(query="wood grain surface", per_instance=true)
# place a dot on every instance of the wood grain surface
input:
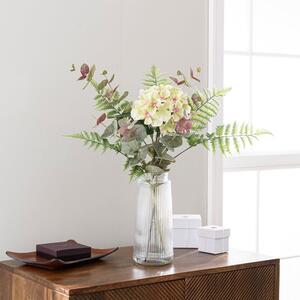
(117, 275)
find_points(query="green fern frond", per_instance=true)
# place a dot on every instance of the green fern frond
(246, 129)
(136, 172)
(249, 140)
(219, 130)
(155, 78)
(126, 164)
(221, 143)
(117, 106)
(234, 129)
(227, 129)
(227, 144)
(206, 109)
(95, 141)
(206, 145)
(259, 132)
(236, 144)
(242, 138)
(242, 128)
(232, 135)
(108, 98)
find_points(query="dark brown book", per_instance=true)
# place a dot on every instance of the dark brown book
(69, 250)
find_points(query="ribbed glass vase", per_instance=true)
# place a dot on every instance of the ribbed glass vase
(153, 235)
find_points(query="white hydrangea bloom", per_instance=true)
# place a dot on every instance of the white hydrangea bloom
(161, 106)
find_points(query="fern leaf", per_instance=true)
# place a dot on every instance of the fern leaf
(240, 136)
(246, 129)
(219, 130)
(234, 129)
(213, 105)
(136, 172)
(262, 132)
(236, 144)
(221, 145)
(243, 141)
(206, 145)
(222, 92)
(249, 140)
(208, 108)
(213, 145)
(95, 141)
(227, 144)
(126, 164)
(155, 78)
(227, 130)
(115, 105)
(242, 128)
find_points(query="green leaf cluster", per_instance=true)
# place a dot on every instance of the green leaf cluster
(155, 78)
(147, 149)
(205, 106)
(95, 141)
(172, 141)
(228, 137)
(108, 97)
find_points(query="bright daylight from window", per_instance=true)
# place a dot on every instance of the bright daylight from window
(261, 63)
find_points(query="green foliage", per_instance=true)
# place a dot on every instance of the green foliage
(108, 98)
(72, 68)
(228, 137)
(139, 156)
(155, 170)
(95, 141)
(172, 141)
(147, 148)
(166, 157)
(155, 78)
(140, 132)
(195, 139)
(205, 106)
(91, 73)
(136, 172)
(113, 104)
(110, 130)
(130, 148)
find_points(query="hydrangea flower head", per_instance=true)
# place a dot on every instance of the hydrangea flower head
(161, 106)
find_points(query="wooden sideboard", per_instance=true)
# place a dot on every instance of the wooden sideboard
(193, 275)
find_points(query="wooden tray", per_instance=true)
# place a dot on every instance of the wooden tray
(32, 259)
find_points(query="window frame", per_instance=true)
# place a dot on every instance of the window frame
(215, 9)
(256, 161)
(259, 160)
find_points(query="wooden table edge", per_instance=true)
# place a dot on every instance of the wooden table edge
(70, 291)
(172, 277)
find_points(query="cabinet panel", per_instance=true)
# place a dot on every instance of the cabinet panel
(247, 284)
(170, 290)
(5, 285)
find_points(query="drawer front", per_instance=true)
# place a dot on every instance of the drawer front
(170, 290)
(257, 283)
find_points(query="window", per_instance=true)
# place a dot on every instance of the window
(261, 198)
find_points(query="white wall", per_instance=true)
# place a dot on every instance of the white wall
(52, 188)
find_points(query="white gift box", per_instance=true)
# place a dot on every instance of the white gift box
(213, 239)
(185, 231)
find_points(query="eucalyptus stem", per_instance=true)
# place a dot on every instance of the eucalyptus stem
(186, 149)
(154, 195)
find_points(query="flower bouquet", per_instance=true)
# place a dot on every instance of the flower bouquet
(168, 117)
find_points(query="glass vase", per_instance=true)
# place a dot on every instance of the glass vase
(153, 234)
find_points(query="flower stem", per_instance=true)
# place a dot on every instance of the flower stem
(157, 225)
(186, 149)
